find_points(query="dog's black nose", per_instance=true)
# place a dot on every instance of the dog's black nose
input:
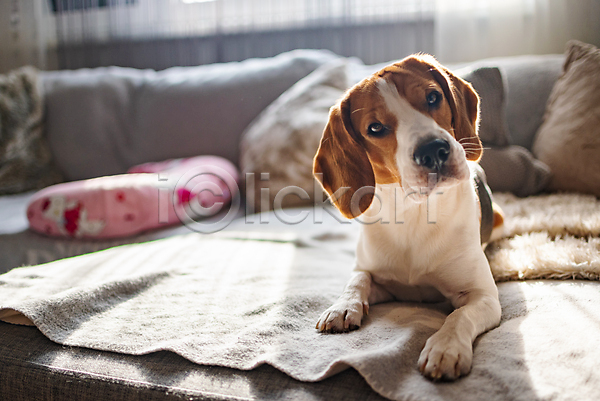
(433, 155)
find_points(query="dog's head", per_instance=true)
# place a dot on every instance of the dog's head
(402, 124)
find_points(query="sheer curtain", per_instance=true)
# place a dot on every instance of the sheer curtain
(27, 35)
(130, 19)
(160, 33)
(467, 30)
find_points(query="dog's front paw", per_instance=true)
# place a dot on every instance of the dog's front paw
(446, 357)
(342, 316)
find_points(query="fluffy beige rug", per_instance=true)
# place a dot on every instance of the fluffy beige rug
(550, 236)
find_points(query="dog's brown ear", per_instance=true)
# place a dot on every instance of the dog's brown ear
(464, 103)
(342, 166)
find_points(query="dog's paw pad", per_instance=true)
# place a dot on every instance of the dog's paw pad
(445, 358)
(341, 317)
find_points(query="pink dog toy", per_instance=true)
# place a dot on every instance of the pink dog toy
(151, 195)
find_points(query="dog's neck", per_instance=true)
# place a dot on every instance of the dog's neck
(394, 204)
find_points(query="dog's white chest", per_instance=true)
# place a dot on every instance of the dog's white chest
(395, 253)
(411, 242)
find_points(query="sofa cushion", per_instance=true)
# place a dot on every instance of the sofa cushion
(105, 120)
(569, 139)
(282, 141)
(528, 82)
(514, 169)
(509, 168)
(488, 83)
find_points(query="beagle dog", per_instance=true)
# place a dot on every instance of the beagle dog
(399, 152)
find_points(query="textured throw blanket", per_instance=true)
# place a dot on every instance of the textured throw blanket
(25, 158)
(242, 300)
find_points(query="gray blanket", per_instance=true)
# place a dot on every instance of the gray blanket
(239, 300)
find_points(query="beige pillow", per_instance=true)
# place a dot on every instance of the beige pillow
(569, 139)
(283, 140)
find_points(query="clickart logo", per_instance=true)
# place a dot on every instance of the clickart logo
(207, 200)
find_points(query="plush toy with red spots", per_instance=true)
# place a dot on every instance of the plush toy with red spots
(150, 196)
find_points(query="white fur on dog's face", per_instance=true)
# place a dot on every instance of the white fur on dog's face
(413, 128)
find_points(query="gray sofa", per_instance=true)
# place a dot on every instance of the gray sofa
(103, 121)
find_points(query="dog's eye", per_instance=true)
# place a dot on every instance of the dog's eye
(434, 98)
(376, 129)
